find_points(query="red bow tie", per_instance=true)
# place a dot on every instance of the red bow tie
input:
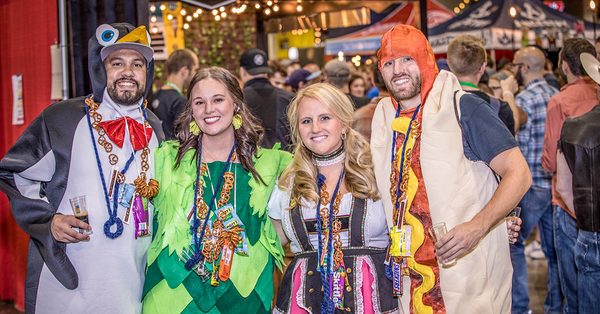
(115, 130)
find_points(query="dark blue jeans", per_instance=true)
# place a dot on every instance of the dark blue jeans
(536, 209)
(587, 259)
(565, 238)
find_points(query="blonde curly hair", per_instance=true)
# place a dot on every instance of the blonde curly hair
(301, 174)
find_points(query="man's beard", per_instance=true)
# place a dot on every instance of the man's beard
(519, 78)
(127, 97)
(412, 91)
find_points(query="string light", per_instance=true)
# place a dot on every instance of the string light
(257, 6)
(183, 12)
(153, 8)
(223, 14)
(154, 30)
(153, 19)
(461, 5)
(163, 7)
(222, 9)
(188, 18)
(196, 15)
(217, 18)
(275, 8)
(456, 10)
(186, 26)
(170, 17)
(299, 8)
(269, 3)
(199, 11)
(267, 11)
(215, 12)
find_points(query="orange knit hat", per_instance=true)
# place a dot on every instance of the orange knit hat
(405, 40)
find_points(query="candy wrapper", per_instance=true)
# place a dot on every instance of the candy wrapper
(140, 216)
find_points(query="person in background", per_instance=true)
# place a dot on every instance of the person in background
(504, 86)
(312, 67)
(293, 66)
(332, 176)
(536, 204)
(214, 249)
(337, 73)
(467, 60)
(576, 169)
(301, 78)
(267, 102)
(356, 86)
(579, 96)
(169, 101)
(363, 116)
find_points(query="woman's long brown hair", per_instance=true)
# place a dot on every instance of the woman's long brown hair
(247, 137)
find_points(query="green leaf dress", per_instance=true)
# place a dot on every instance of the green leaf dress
(169, 287)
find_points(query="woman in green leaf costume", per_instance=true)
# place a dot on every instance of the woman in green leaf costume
(214, 248)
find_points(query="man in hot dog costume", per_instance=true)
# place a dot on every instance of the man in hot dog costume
(443, 173)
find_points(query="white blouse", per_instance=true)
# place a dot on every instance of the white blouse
(376, 233)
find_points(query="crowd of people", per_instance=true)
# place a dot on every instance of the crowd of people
(412, 188)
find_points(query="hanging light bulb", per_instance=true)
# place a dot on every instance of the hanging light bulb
(163, 7)
(257, 6)
(267, 11)
(183, 12)
(199, 11)
(223, 14)
(299, 8)
(152, 8)
(153, 19)
(269, 3)
(154, 30)
(186, 26)
(215, 12)
(275, 8)
(222, 9)
(196, 15)
(170, 17)
(188, 18)
(217, 18)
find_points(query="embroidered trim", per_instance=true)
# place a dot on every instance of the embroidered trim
(375, 294)
(360, 306)
(300, 296)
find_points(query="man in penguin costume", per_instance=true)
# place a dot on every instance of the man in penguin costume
(79, 180)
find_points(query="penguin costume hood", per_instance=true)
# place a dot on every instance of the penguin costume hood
(109, 38)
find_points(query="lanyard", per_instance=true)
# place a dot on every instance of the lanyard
(175, 87)
(112, 212)
(468, 84)
(195, 259)
(406, 138)
(327, 271)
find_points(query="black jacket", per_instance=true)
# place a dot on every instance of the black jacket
(580, 143)
(269, 104)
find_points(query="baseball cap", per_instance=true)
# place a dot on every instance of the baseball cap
(337, 69)
(254, 61)
(301, 75)
(138, 40)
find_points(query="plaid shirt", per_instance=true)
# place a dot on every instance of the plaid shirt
(533, 100)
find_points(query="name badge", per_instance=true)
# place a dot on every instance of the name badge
(401, 237)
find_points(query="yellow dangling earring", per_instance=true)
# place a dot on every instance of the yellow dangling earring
(194, 128)
(236, 121)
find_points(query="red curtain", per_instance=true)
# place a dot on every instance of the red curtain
(27, 29)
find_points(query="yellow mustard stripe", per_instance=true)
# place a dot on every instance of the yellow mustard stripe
(418, 231)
